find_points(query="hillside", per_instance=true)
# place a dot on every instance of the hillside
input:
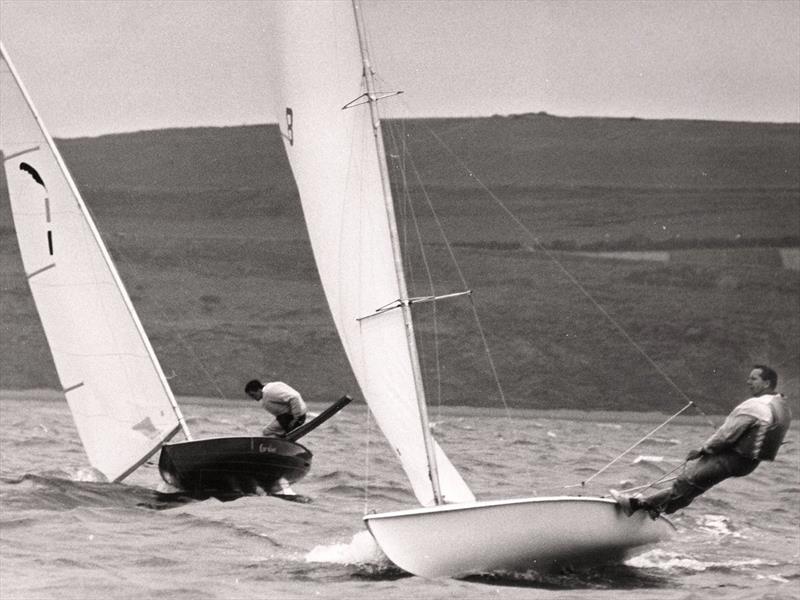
(207, 232)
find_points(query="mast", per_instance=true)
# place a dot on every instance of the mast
(103, 251)
(405, 306)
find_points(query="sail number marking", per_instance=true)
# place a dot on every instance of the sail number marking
(289, 135)
(47, 218)
(30, 170)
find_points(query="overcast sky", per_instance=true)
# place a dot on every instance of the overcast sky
(104, 66)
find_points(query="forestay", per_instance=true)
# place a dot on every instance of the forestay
(121, 403)
(332, 151)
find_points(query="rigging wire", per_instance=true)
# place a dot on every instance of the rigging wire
(665, 478)
(402, 156)
(618, 457)
(550, 255)
(409, 160)
(462, 280)
(367, 458)
(617, 326)
(571, 278)
(162, 309)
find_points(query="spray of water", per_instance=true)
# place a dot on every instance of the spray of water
(361, 550)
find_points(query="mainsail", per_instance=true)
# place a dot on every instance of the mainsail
(121, 403)
(333, 157)
(328, 118)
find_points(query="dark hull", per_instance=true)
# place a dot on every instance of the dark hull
(233, 466)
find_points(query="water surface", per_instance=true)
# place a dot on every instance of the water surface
(65, 535)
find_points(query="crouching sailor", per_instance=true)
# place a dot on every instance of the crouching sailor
(280, 400)
(752, 432)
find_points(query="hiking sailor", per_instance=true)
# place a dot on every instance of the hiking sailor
(752, 432)
(281, 401)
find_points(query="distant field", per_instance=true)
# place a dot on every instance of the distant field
(208, 235)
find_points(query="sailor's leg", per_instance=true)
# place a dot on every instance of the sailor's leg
(274, 429)
(697, 478)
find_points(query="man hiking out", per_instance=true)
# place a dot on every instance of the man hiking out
(752, 432)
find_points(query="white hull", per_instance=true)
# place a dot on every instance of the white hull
(530, 534)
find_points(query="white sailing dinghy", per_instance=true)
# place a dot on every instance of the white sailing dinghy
(327, 111)
(120, 400)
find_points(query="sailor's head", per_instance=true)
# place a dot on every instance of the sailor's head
(762, 380)
(254, 389)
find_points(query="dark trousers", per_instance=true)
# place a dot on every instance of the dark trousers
(288, 422)
(698, 477)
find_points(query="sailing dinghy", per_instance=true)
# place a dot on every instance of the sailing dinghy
(328, 115)
(120, 400)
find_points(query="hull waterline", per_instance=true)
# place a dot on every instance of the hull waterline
(531, 534)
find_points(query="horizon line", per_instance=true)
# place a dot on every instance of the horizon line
(541, 114)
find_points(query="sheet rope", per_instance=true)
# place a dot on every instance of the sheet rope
(619, 456)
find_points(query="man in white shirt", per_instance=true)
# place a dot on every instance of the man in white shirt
(281, 401)
(752, 432)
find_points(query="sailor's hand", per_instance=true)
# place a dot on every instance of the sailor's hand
(694, 454)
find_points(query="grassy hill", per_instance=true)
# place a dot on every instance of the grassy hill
(207, 232)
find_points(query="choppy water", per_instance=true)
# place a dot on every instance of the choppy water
(64, 535)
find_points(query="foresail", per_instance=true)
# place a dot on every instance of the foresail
(333, 157)
(119, 399)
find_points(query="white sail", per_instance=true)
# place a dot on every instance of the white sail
(337, 163)
(333, 155)
(120, 401)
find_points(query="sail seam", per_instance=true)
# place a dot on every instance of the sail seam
(20, 153)
(73, 388)
(39, 271)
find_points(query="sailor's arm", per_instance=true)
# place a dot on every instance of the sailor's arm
(296, 406)
(727, 435)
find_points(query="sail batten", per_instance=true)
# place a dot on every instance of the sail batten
(336, 167)
(119, 398)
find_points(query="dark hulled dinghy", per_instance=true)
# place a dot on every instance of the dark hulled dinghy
(120, 400)
(235, 466)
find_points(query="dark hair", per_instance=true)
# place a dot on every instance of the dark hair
(253, 386)
(768, 374)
